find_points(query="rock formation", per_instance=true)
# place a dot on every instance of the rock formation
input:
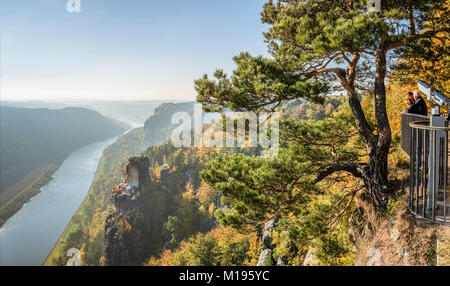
(265, 258)
(122, 245)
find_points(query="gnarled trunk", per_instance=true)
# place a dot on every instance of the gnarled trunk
(376, 181)
(375, 174)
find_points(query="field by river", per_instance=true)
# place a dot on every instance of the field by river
(28, 236)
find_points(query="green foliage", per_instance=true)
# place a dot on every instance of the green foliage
(173, 226)
(316, 227)
(204, 251)
(312, 216)
(312, 43)
(254, 187)
(171, 210)
(394, 204)
(256, 83)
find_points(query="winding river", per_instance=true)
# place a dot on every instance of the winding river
(29, 235)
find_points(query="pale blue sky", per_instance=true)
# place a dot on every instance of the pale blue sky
(121, 49)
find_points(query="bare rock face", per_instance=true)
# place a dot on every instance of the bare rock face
(265, 258)
(122, 244)
(164, 174)
(398, 240)
(121, 248)
(126, 199)
(310, 259)
(138, 172)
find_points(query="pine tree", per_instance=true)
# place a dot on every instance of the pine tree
(318, 46)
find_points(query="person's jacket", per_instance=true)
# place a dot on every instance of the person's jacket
(420, 107)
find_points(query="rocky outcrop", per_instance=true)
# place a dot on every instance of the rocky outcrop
(164, 175)
(397, 240)
(138, 171)
(120, 248)
(266, 255)
(122, 244)
(125, 199)
(311, 259)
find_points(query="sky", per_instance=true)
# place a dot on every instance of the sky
(121, 49)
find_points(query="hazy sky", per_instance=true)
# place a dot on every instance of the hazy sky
(121, 49)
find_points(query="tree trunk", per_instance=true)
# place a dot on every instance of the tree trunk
(378, 184)
(375, 175)
(376, 181)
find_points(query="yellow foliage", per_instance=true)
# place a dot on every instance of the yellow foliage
(226, 237)
(205, 194)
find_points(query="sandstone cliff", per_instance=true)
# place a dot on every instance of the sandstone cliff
(122, 242)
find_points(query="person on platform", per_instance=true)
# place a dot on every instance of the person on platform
(419, 107)
(409, 101)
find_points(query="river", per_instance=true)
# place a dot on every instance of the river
(28, 236)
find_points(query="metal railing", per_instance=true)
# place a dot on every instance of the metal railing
(429, 196)
(407, 118)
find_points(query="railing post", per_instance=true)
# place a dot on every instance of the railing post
(434, 183)
(445, 174)
(412, 162)
(425, 171)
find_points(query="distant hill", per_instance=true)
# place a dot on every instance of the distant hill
(132, 112)
(31, 139)
(158, 127)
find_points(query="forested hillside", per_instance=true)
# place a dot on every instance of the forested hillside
(34, 142)
(158, 127)
(86, 229)
(34, 137)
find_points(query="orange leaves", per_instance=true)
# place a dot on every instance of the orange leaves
(226, 240)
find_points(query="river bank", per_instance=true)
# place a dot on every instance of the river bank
(28, 236)
(85, 230)
(13, 205)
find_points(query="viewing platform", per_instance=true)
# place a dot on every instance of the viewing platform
(428, 148)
